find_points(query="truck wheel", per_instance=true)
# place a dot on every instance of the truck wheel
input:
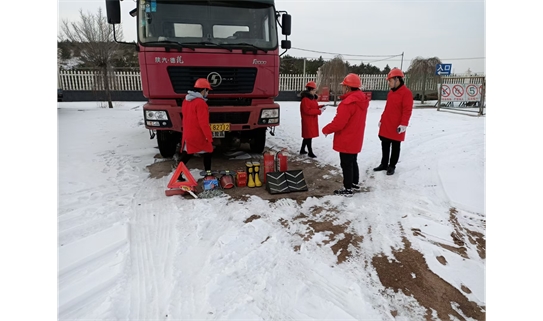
(258, 141)
(167, 142)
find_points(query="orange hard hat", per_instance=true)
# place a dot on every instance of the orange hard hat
(202, 83)
(352, 80)
(311, 84)
(395, 73)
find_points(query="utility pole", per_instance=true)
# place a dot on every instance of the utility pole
(401, 66)
(304, 79)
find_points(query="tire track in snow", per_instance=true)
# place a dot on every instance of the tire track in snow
(94, 242)
(90, 267)
(152, 249)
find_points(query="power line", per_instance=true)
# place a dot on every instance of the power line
(352, 55)
(387, 57)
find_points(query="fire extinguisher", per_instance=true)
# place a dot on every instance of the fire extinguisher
(281, 161)
(269, 163)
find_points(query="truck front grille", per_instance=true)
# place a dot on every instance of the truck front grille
(223, 80)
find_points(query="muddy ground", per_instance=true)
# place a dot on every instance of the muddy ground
(321, 179)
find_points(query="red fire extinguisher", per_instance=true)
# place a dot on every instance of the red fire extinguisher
(269, 163)
(281, 161)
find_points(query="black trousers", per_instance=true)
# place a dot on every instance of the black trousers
(207, 159)
(349, 165)
(385, 146)
(307, 142)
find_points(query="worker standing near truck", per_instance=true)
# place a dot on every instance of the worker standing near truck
(348, 127)
(197, 137)
(310, 112)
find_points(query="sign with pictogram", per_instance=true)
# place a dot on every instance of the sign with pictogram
(473, 93)
(458, 92)
(446, 93)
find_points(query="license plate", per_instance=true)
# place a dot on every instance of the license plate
(222, 127)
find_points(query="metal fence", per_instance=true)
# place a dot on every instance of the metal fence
(131, 80)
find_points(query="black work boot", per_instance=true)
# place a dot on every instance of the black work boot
(344, 192)
(380, 168)
(390, 170)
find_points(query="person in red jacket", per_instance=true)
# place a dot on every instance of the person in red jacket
(348, 127)
(197, 137)
(310, 111)
(394, 120)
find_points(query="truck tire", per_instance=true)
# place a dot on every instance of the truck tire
(167, 142)
(258, 141)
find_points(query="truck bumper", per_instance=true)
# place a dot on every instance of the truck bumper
(240, 118)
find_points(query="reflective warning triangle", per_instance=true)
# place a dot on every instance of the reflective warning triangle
(190, 181)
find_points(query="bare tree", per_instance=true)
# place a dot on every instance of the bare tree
(93, 36)
(332, 73)
(420, 72)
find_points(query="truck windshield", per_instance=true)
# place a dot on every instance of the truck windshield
(201, 23)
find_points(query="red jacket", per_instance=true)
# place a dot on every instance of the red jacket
(309, 110)
(397, 112)
(349, 123)
(196, 131)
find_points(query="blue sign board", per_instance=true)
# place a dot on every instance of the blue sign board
(443, 69)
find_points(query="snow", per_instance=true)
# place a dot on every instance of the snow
(71, 63)
(126, 251)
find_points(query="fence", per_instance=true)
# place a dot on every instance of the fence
(130, 80)
(93, 80)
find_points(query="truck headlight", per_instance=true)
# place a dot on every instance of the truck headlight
(156, 115)
(269, 113)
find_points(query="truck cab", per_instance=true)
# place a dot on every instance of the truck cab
(233, 44)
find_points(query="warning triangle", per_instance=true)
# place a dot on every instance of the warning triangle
(190, 181)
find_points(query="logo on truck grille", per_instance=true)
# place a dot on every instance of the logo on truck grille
(214, 79)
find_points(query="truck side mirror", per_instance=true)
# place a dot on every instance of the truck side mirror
(286, 24)
(113, 10)
(285, 44)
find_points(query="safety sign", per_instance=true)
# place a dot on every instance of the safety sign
(473, 93)
(458, 92)
(446, 93)
(461, 92)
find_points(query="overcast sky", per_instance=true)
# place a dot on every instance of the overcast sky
(452, 30)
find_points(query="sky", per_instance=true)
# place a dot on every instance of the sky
(128, 252)
(369, 31)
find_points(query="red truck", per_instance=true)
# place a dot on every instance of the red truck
(234, 44)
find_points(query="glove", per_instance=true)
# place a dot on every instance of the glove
(379, 125)
(401, 129)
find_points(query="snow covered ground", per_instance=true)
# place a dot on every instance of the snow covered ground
(128, 252)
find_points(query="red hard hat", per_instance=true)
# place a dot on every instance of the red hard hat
(352, 80)
(311, 84)
(395, 73)
(202, 83)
